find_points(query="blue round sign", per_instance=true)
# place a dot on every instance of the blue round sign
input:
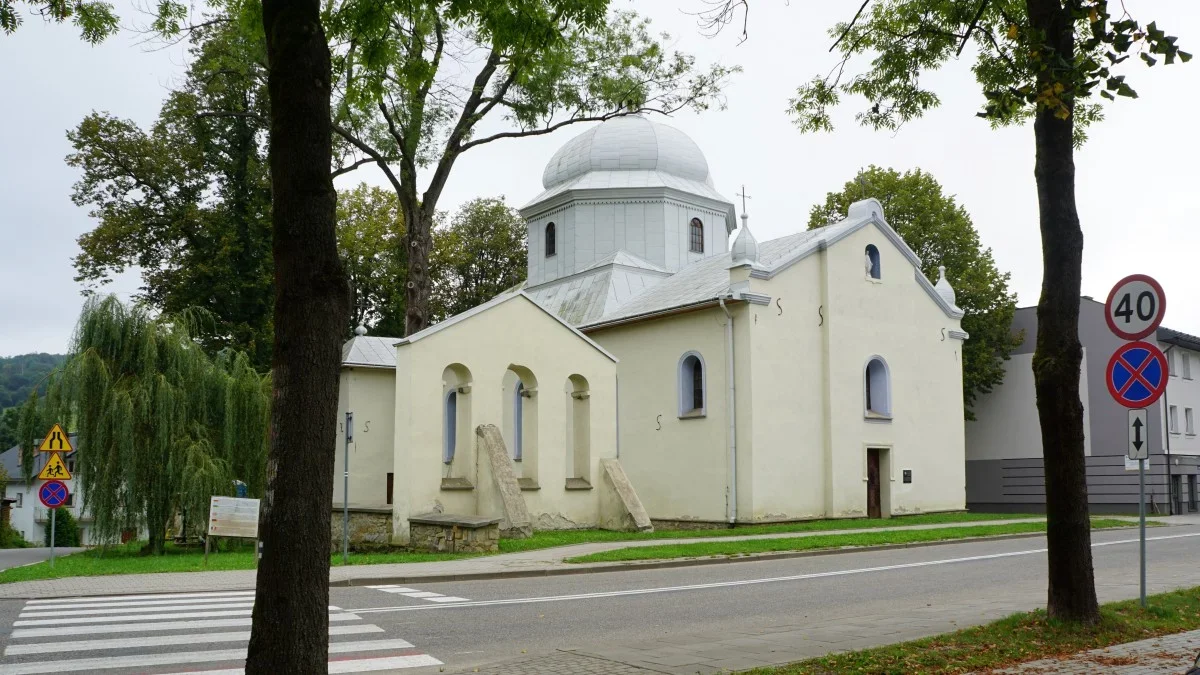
(1137, 374)
(54, 494)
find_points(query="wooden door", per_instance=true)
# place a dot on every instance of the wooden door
(873, 487)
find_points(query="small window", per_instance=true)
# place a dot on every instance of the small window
(20, 497)
(1173, 419)
(1187, 365)
(696, 236)
(550, 243)
(518, 442)
(70, 466)
(390, 483)
(70, 500)
(451, 423)
(1189, 422)
(1171, 368)
(691, 386)
(871, 262)
(878, 389)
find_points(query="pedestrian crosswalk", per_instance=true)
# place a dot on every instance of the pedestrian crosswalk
(429, 596)
(196, 633)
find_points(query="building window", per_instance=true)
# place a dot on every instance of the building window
(1173, 419)
(550, 243)
(691, 386)
(871, 262)
(518, 441)
(878, 389)
(1187, 365)
(1193, 502)
(1189, 421)
(451, 424)
(696, 236)
(20, 497)
(390, 483)
(1171, 363)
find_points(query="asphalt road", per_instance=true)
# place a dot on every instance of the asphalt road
(15, 557)
(475, 623)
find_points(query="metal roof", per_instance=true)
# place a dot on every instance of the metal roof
(369, 351)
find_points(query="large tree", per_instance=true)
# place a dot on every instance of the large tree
(477, 255)
(370, 228)
(289, 633)
(1045, 61)
(162, 426)
(941, 233)
(422, 83)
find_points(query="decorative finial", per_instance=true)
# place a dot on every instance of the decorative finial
(745, 246)
(943, 287)
(744, 197)
(361, 330)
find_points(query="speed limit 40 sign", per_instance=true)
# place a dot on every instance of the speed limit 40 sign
(1135, 307)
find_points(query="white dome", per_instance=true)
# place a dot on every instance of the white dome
(631, 143)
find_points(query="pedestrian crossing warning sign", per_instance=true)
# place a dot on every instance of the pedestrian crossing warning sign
(56, 441)
(55, 469)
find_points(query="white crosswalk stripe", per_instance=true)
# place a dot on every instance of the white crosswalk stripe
(156, 631)
(414, 593)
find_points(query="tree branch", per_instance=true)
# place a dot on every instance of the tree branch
(370, 152)
(466, 120)
(970, 27)
(351, 167)
(232, 113)
(850, 25)
(573, 120)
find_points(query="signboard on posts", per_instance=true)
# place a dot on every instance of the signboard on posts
(233, 517)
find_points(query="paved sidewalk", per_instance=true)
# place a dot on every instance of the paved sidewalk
(541, 561)
(1167, 655)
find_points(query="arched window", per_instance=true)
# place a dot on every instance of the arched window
(878, 389)
(692, 395)
(871, 262)
(518, 421)
(450, 423)
(550, 245)
(696, 234)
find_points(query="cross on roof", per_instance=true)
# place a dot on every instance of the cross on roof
(744, 197)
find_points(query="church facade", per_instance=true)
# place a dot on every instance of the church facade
(813, 375)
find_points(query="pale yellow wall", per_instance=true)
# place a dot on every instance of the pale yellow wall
(370, 393)
(896, 319)
(488, 344)
(679, 470)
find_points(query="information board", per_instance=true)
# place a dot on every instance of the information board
(233, 517)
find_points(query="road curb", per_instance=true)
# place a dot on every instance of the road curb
(596, 568)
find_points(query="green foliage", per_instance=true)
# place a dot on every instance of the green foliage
(161, 425)
(1016, 65)
(66, 528)
(370, 227)
(479, 254)
(11, 538)
(95, 19)
(187, 202)
(940, 231)
(9, 422)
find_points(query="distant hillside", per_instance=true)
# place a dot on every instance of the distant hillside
(20, 374)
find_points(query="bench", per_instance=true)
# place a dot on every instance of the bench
(450, 533)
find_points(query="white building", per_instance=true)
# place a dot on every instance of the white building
(814, 375)
(27, 515)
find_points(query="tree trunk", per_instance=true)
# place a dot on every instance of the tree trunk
(1056, 361)
(290, 632)
(418, 241)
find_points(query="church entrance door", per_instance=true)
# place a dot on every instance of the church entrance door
(873, 486)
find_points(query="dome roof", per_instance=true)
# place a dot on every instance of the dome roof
(631, 143)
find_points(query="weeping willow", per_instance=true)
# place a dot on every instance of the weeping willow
(162, 425)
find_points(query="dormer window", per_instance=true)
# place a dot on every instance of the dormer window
(550, 249)
(696, 236)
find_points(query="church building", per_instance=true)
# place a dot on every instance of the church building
(646, 366)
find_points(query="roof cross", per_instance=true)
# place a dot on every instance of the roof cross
(744, 197)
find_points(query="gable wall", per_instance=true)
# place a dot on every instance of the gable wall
(897, 319)
(514, 332)
(370, 393)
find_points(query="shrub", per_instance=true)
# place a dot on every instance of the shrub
(66, 529)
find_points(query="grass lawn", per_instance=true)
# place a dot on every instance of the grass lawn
(547, 539)
(126, 559)
(733, 548)
(1020, 637)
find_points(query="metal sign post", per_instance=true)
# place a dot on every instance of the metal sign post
(346, 488)
(52, 536)
(1139, 449)
(53, 494)
(1137, 377)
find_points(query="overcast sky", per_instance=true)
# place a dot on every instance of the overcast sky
(1136, 177)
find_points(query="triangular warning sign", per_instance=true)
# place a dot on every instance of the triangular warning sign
(56, 441)
(55, 469)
